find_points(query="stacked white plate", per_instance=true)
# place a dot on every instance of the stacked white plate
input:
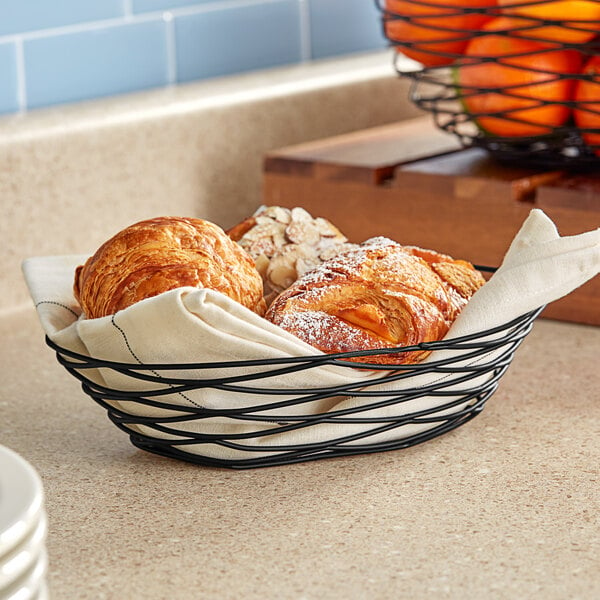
(23, 528)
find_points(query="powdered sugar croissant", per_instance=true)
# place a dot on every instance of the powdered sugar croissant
(377, 295)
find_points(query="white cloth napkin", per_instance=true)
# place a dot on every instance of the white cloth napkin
(188, 325)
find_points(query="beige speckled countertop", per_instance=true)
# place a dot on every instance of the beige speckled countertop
(504, 507)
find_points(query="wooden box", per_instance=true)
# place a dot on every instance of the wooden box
(415, 184)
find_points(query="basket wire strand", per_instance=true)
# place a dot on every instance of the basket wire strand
(462, 384)
(435, 90)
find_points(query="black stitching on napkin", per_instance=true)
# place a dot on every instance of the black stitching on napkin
(58, 304)
(122, 332)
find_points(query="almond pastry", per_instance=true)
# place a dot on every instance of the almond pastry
(286, 243)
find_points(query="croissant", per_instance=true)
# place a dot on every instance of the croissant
(377, 295)
(160, 254)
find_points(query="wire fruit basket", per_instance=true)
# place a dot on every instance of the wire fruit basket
(520, 78)
(419, 402)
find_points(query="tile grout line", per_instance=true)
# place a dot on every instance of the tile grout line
(127, 9)
(127, 19)
(82, 27)
(171, 47)
(21, 87)
(305, 31)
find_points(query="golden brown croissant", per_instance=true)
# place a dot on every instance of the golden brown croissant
(156, 255)
(379, 295)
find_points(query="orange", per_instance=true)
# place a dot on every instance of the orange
(521, 91)
(436, 31)
(587, 96)
(577, 21)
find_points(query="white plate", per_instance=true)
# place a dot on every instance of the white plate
(24, 554)
(21, 499)
(31, 583)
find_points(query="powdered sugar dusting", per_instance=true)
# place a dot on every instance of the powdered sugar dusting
(348, 263)
(376, 295)
(318, 327)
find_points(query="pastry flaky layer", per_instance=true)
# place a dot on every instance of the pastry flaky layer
(377, 295)
(161, 254)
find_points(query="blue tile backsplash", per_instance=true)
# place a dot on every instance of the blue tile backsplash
(20, 16)
(68, 50)
(90, 64)
(150, 5)
(343, 26)
(237, 38)
(9, 91)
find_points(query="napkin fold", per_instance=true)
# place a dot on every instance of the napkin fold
(190, 325)
(539, 267)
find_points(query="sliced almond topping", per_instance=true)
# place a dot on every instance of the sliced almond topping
(304, 265)
(286, 243)
(306, 252)
(301, 215)
(279, 238)
(262, 264)
(327, 229)
(279, 214)
(258, 231)
(301, 232)
(281, 274)
(335, 249)
(264, 220)
(261, 246)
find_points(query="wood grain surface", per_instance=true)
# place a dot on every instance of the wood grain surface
(413, 183)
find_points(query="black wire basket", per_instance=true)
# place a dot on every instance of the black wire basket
(519, 78)
(420, 401)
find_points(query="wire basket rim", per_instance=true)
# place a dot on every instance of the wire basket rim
(461, 342)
